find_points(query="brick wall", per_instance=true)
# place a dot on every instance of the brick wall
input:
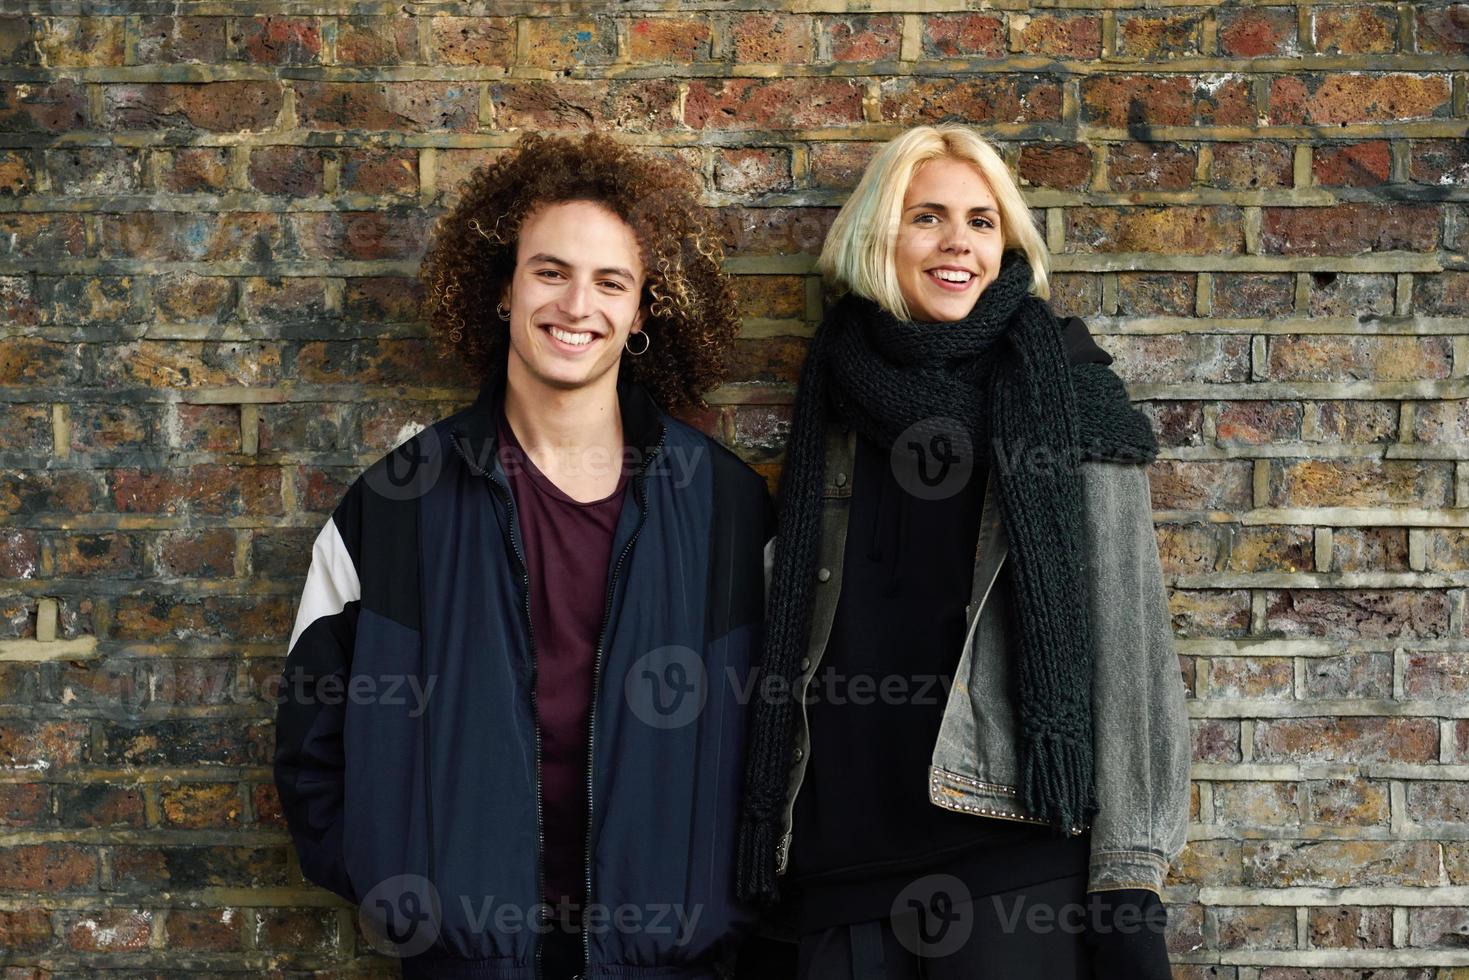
(210, 216)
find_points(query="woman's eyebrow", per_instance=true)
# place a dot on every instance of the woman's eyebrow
(935, 206)
(608, 271)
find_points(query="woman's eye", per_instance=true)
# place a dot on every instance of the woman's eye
(923, 218)
(983, 222)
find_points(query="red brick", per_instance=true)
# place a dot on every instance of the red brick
(991, 99)
(337, 235)
(204, 488)
(200, 805)
(1158, 36)
(1353, 675)
(1251, 677)
(637, 106)
(1062, 166)
(839, 165)
(1350, 927)
(1258, 423)
(1356, 421)
(1257, 32)
(29, 108)
(1348, 739)
(1443, 29)
(291, 170)
(382, 299)
(216, 107)
(29, 360)
(21, 805)
(679, 40)
(15, 174)
(1127, 101)
(1310, 357)
(1255, 928)
(1155, 293)
(1354, 30)
(1369, 549)
(1150, 166)
(752, 170)
(1190, 485)
(794, 103)
(25, 930)
(198, 553)
(472, 40)
(80, 42)
(1348, 802)
(1215, 740)
(1441, 162)
(1350, 229)
(1335, 864)
(1058, 36)
(415, 107)
(859, 38)
(1179, 229)
(773, 231)
(170, 40)
(377, 40)
(770, 38)
(1244, 294)
(566, 43)
(1176, 423)
(1351, 294)
(210, 930)
(1352, 165)
(296, 930)
(195, 168)
(1441, 423)
(966, 35)
(48, 867)
(379, 171)
(94, 170)
(1360, 483)
(285, 300)
(1331, 100)
(277, 40)
(99, 804)
(1351, 614)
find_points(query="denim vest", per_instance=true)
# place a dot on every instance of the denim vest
(1139, 715)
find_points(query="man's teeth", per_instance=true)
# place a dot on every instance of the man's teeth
(951, 275)
(566, 337)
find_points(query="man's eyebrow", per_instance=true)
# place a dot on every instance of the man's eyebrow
(935, 206)
(608, 271)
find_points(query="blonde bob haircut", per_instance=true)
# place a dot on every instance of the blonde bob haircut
(858, 255)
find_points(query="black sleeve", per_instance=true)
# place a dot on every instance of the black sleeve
(1080, 348)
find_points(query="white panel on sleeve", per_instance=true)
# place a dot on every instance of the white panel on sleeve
(331, 582)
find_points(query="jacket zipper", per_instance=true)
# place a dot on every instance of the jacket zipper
(638, 484)
(534, 672)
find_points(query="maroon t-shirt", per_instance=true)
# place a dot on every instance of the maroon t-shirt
(568, 546)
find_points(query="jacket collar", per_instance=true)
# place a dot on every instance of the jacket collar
(642, 421)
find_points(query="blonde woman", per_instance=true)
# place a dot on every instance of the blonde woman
(980, 764)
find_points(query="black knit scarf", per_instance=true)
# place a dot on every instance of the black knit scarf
(1001, 377)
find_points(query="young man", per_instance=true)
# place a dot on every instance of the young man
(563, 579)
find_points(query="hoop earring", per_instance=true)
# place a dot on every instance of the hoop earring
(647, 342)
(502, 311)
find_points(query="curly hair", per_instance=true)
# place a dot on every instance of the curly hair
(691, 317)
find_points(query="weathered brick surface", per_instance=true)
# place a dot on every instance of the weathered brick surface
(210, 215)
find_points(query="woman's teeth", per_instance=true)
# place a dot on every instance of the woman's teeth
(951, 275)
(567, 337)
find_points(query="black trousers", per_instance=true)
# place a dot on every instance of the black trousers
(1046, 931)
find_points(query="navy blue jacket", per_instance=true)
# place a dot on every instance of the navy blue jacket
(407, 750)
